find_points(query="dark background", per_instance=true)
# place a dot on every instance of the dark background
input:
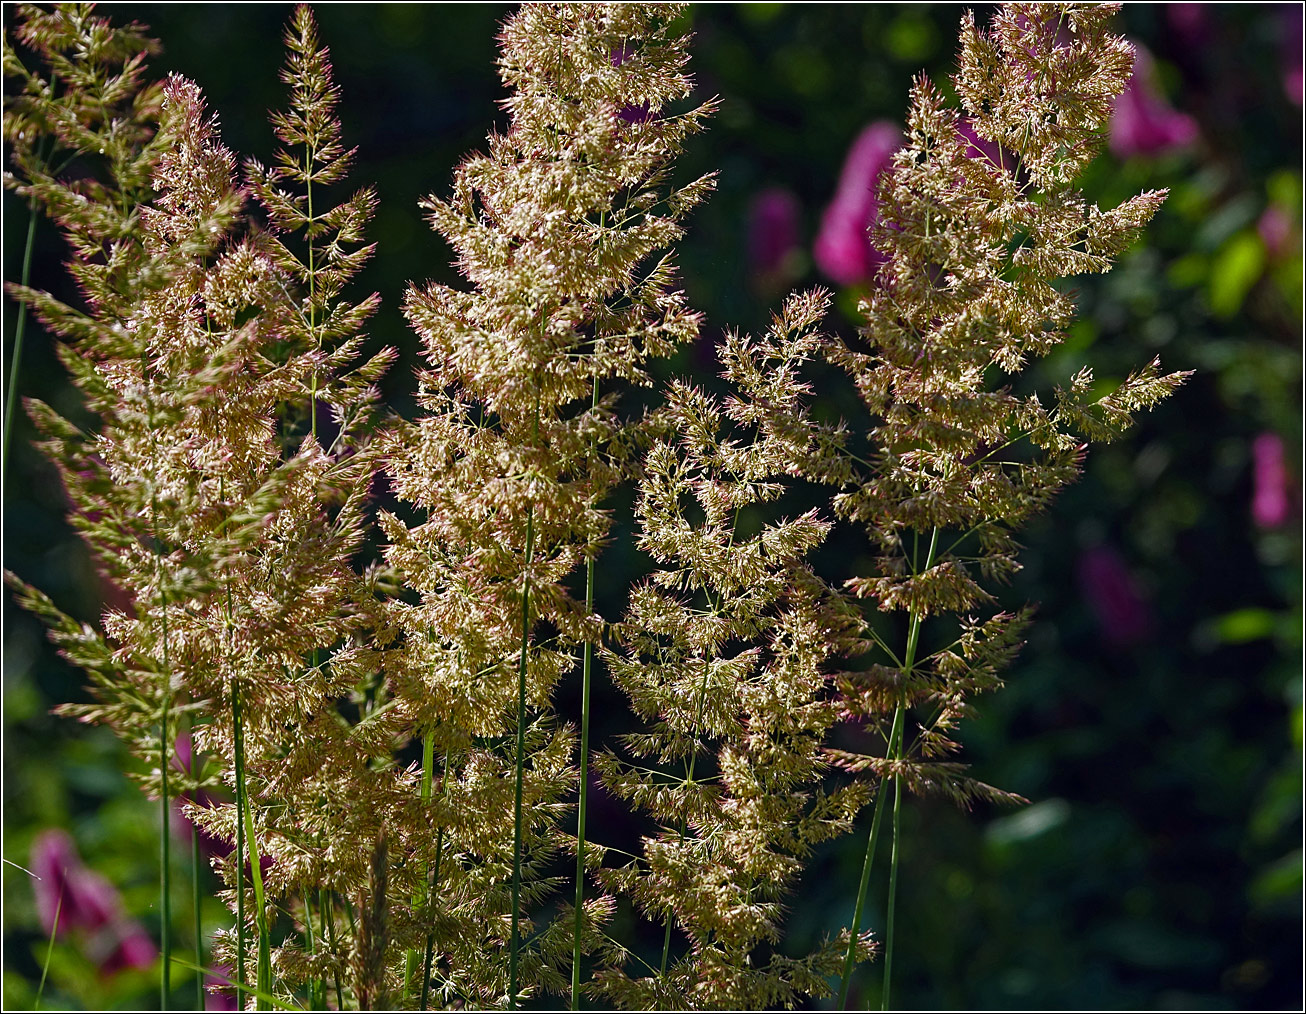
(1159, 865)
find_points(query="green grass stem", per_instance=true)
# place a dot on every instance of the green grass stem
(586, 665)
(433, 881)
(872, 838)
(197, 893)
(515, 944)
(49, 951)
(893, 888)
(894, 750)
(17, 355)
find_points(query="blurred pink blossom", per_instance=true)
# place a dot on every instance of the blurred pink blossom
(1276, 228)
(1144, 123)
(1271, 502)
(843, 250)
(1105, 581)
(774, 217)
(85, 904)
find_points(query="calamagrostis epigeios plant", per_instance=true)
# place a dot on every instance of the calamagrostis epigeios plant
(562, 231)
(196, 345)
(727, 651)
(976, 246)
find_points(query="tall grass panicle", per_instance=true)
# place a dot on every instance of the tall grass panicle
(379, 741)
(980, 223)
(78, 97)
(726, 651)
(233, 554)
(562, 230)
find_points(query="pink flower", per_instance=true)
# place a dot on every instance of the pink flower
(1276, 229)
(1271, 506)
(1122, 613)
(773, 223)
(70, 898)
(82, 899)
(1290, 41)
(132, 948)
(1144, 123)
(843, 249)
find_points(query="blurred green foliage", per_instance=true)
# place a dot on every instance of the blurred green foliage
(1159, 865)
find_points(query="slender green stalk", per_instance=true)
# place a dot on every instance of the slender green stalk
(434, 880)
(515, 945)
(855, 929)
(165, 843)
(12, 397)
(263, 973)
(241, 941)
(329, 924)
(428, 762)
(893, 887)
(584, 767)
(49, 950)
(316, 987)
(197, 893)
(165, 857)
(894, 750)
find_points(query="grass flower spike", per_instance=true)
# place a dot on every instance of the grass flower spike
(977, 239)
(562, 230)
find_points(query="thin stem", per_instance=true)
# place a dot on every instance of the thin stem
(893, 886)
(165, 844)
(894, 751)
(237, 737)
(316, 986)
(329, 922)
(428, 762)
(238, 746)
(913, 640)
(521, 734)
(871, 840)
(263, 974)
(17, 357)
(584, 768)
(197, 894)
(435, 879)
(49, 950)
(241, 939)
(165, 855)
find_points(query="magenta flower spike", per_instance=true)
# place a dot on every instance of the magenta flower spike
(1271, 503)
(1144, 123)
(843, 249)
